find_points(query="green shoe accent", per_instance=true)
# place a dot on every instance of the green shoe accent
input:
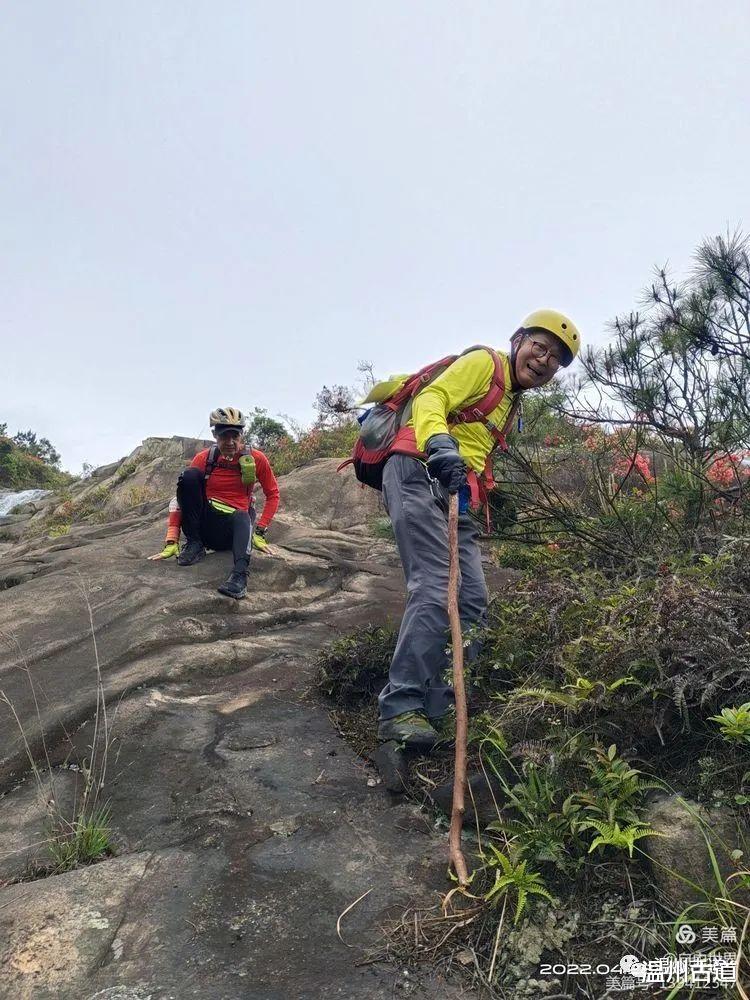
(412, 729)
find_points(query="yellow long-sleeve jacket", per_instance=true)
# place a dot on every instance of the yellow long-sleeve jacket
(463, 383)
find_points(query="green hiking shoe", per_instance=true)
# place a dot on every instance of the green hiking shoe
(412, 729)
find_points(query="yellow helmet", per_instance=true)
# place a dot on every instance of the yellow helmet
(226, 417)
(559, 326)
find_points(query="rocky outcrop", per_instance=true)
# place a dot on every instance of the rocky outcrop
(244, 825)
(145, 477)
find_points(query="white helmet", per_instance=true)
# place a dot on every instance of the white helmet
(226, 417)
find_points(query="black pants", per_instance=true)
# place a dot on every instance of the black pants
(200, 522)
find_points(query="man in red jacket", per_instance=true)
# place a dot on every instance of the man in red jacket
(215, 505)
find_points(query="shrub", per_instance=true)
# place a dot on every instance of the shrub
(126, 470)
(517, 555)
(319, 442)
(138, 495)
(20, 470)
(91, 503)
(353, 669)
(74, 510)
(683, 636)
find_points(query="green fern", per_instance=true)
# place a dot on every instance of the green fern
(612, 835)
(617, 788)
(586, 688)
(510, 877)
(574, 695)
(546, 695)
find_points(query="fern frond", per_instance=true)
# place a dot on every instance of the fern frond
(546, 695)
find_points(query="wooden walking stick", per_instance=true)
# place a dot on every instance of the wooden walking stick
(459, 779)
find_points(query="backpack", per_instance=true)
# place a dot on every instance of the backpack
(383, 429)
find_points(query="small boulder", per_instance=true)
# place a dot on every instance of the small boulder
(484, 798)
(680, 855)
(391, 762)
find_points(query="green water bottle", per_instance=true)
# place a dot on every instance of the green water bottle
(247, 469)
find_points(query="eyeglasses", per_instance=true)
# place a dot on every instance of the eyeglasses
(540, 350)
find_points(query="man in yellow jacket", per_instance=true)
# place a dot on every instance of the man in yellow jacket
(416, 698)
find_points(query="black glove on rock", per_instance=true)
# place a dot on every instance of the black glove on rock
(444, 462)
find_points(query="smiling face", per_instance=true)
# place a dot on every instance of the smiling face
(229, 442)
(538, 357)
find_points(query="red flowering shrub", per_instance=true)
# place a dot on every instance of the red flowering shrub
(729, 470)
(624, 466)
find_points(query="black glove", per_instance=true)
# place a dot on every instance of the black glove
(261, 531)
(444, 462)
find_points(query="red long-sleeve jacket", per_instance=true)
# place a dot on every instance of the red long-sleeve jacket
(225, 484)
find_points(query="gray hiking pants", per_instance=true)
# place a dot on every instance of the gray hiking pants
(420, 523)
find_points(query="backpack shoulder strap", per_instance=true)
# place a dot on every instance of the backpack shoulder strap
(211, 459)
(214, 455)
(479, 412)
(483, 407)
(418, 381)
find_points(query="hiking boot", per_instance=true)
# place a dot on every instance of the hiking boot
(412, 729)
(192, 553)
(235, 586)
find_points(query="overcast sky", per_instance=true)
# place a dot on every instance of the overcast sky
(233, 202)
